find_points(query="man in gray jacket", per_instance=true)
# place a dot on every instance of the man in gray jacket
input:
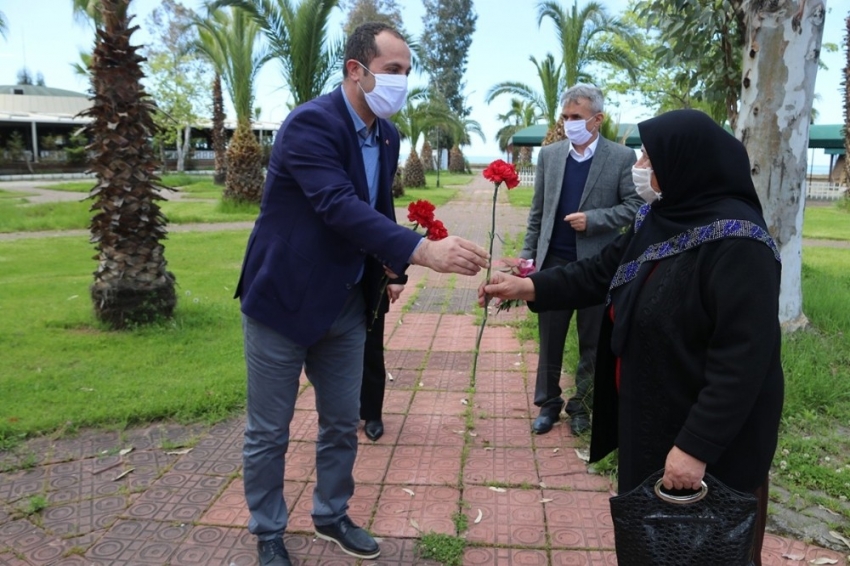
(583, 196)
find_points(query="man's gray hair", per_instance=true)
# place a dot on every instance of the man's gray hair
(584, 90)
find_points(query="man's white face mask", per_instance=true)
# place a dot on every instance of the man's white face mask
(576, 131)
(389, 94)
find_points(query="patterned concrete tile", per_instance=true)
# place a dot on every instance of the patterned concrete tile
(140, 542)
(304, 426)
(510, 380)
(505, 557)
(578, 519)
(452, 403)
(82, 517)
(399, 552)
(513, 466)
(371, 464)
(502, 433)
(177, 497)
(397, 400)
(424, 465)
(562, 468)
(444, 380)
(502, 405)
(513, 517)
(432, 430)
(217, 545)
(583, 558)
(409, 511)
(454, 361)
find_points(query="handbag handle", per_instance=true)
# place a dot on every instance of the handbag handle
(681, 499)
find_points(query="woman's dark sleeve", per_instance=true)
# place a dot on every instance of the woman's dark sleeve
(581, 283)
(741, 295)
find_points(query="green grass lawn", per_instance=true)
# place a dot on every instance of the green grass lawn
(17, 216)
(826, 222)
(203, 204)
(61, 370)
(173, 180)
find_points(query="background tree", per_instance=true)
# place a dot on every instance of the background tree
(521, 115)
(230, 39)
(362, 11)
(24, 77)
(3, 25)
(418, 116)
(444, 49)
(298, 39)
(780, 67)
(131, 284)
(847, 104)
(585, 36)
(177, 76)
(208, 47)
(545, 101)
(709, 39)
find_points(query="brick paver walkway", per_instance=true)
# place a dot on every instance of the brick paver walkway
(451, 449)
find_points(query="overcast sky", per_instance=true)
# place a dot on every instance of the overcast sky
(43, 36)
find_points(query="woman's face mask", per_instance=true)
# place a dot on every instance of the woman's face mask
(642, 178)
(389, 94)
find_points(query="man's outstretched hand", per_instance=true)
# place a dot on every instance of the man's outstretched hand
(451, 255)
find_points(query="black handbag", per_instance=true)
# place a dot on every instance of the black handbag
(713, 527)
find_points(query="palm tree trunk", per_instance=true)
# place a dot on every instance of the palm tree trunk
(131, 284)
(219, 141)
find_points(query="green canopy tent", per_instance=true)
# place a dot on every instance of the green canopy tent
(824, 136)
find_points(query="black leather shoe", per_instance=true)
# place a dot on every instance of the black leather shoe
(351, 539)
(374, 429)
(543, 423)
(579, 425)
(273, 553)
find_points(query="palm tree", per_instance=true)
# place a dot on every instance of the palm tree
(582, 35)
(461, 128)
(521, 115)
(419, 115)
(298, 38)
(131, 284)
(228, 40)
(546, 102)
(88, 12)
(2, 25)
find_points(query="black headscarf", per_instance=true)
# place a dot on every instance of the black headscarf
(707, 194)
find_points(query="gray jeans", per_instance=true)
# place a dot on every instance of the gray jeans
(334, 366)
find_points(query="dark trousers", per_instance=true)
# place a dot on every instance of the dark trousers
(761, 520)
(374, 372)
(553, 327)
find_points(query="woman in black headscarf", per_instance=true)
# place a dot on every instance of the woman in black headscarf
(688, 375)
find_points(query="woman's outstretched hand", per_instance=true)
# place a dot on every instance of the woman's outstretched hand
(504, 286)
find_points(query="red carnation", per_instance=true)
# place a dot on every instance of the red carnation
(498, 171)
(436, 231)
(421, 212)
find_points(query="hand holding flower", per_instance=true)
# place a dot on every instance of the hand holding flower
(505, 287)
(451, 255)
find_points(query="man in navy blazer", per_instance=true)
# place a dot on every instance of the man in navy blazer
(306, 283)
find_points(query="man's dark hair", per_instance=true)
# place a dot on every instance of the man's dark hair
(361, 44)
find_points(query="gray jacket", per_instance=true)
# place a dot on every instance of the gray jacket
(609, 199)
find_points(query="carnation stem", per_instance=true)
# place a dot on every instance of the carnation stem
(486, 280)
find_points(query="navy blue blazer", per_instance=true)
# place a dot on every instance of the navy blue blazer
(316, 226)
